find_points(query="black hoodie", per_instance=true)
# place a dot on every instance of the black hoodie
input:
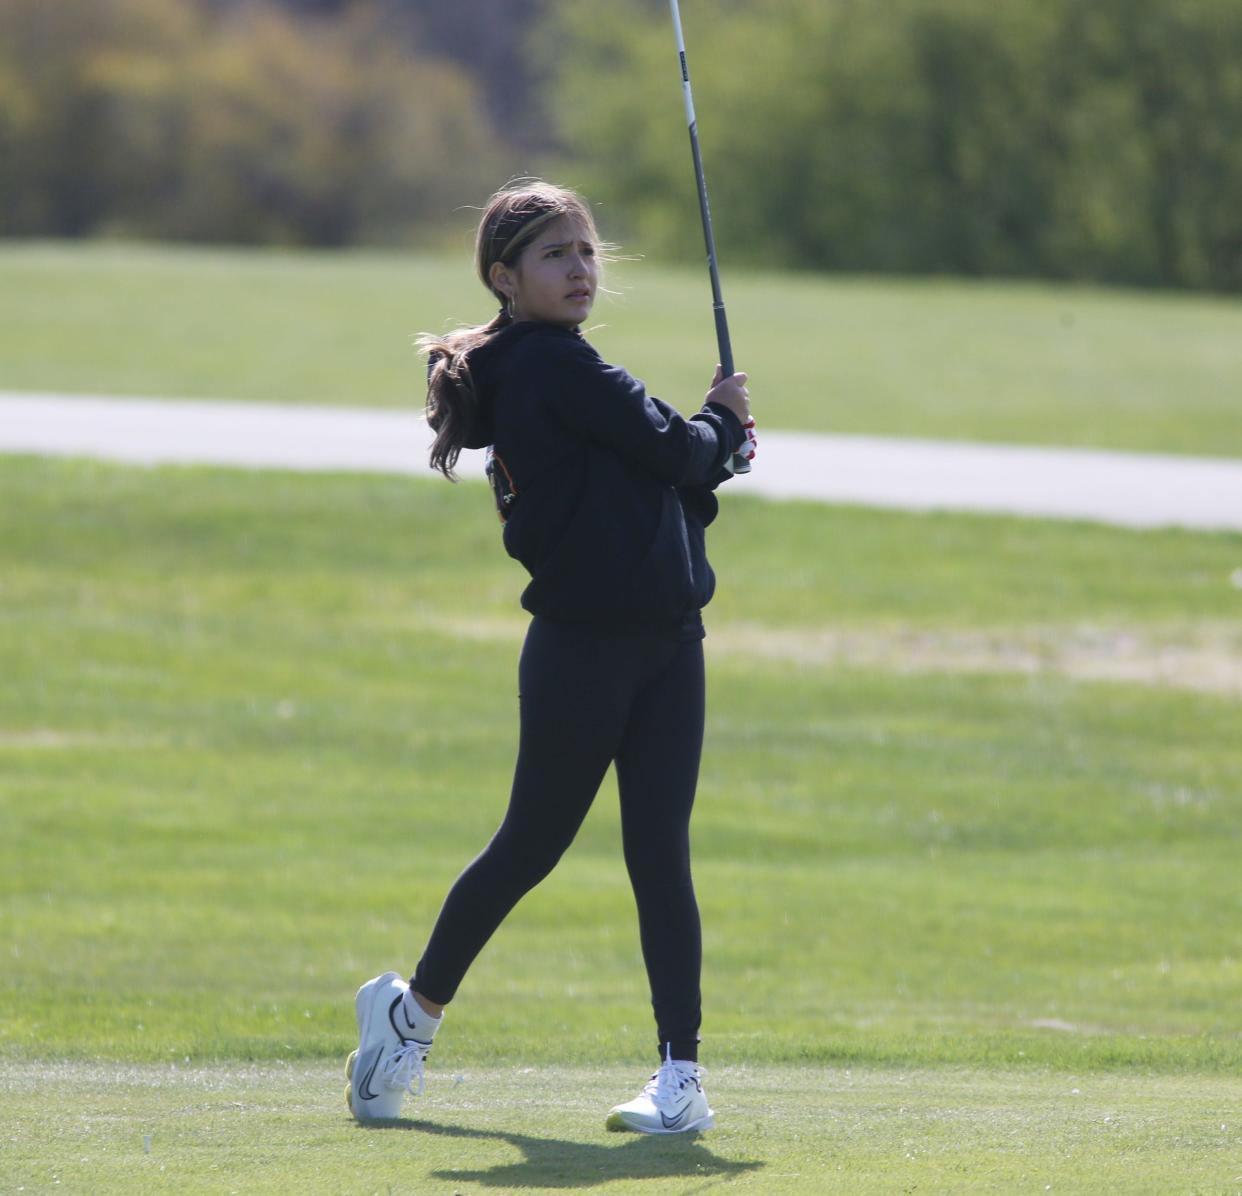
(614, 487)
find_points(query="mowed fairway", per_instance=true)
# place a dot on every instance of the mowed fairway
(990, 361)
(862, 1131)
(966, 848)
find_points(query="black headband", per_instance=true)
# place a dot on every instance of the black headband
(528, 226)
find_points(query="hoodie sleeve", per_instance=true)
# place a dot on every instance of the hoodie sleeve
(605, 404)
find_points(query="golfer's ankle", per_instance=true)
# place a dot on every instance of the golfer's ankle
(428, 1007)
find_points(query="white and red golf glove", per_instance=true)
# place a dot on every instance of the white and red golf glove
(751, 444)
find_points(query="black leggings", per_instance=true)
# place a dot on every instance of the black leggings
(589, 698)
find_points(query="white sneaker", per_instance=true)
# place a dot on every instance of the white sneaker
(383, 1068)
(671, 1103)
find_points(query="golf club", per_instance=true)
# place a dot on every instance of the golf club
(740, 463)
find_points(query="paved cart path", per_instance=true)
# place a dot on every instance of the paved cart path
(1128, 489)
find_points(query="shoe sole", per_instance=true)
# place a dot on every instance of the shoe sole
(349, 1085)
(616, 1122)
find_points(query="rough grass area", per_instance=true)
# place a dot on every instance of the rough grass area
(985, 361)
(246, 748)
(859, 1132)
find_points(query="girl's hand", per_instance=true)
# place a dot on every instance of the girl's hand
(730, 392)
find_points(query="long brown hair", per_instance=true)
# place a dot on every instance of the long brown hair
(509, 223)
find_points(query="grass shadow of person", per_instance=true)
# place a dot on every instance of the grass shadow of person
(559, 1163)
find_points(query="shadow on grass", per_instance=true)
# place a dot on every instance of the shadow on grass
(558, 1163)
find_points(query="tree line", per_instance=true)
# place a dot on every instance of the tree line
(1002, 137)
(217, 120)
(1062, 139)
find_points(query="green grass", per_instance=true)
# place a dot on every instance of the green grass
(252, 725)
(220, 684)
(968, 822)
(860, 1132)
(984, 361)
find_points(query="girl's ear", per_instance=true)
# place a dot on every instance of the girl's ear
(502, 280)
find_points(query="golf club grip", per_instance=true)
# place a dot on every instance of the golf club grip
(739, 463)
(722, 341)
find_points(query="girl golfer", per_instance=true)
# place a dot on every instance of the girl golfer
(604, 493)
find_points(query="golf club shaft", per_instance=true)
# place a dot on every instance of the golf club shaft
(740, 464)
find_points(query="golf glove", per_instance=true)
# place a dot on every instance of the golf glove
(751, 444)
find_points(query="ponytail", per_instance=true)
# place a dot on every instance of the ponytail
(451, 399)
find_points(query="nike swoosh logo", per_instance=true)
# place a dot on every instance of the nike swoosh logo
(673, 1122)
(364, 1089)
(408, 1032)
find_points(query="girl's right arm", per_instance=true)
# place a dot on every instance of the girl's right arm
(605, 404)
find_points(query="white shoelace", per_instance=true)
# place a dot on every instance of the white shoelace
(404, 1064)
(664, 1086)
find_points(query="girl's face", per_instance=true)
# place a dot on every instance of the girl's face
(554, 279)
